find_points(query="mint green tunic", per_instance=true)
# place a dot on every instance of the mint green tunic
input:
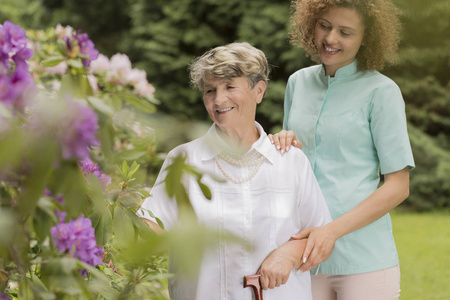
(352, 126)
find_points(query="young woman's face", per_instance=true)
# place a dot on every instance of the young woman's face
(339, 33)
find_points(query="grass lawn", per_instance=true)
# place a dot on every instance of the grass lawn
(423, 244)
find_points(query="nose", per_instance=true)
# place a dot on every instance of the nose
(220, 97)
(331, 37)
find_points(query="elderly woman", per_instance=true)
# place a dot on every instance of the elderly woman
(266, 197)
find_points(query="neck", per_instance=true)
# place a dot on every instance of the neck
(240, 141)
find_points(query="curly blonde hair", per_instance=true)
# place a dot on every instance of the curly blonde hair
(381, 35)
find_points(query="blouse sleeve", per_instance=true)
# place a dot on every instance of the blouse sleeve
(389, 130)
(159, 203)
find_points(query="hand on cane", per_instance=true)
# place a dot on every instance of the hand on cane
(276, 268)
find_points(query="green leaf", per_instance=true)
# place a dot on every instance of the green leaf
(100, 105)
(205, 190)
(131, 154)
(69, 181)
(141, 226)
(158, 220)
(61, 44)
(42, 221)
(52, 61)
(124, 169)
(139, 103)
(83, 56)
(75, 63)
(133, 170)
(123, 228)
(103, 227)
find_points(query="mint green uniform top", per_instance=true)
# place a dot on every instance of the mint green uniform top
(352, 126)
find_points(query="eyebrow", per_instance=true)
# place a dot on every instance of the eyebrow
(226, 81)
(342, 27)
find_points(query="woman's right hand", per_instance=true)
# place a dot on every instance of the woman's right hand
(283, 140)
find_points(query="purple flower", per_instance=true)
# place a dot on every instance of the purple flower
(22, 56)
(87, 48)
(17, 35)
(88, 167)
(3, 296)
(77, 238)
(79, 43)
(78, 131)
(15, 83)
(60, 199)
(16, 87)
(12, 40)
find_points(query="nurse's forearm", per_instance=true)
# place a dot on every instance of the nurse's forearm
(393, 192)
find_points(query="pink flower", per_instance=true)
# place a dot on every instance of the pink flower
(93, 82)
(59, 69)
(136, 76)
(145, 89)
(100, 65)
(120, 67)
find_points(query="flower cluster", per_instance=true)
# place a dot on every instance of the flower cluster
(16, 83)
(78, 131)
(79, 45)
(88, 167)
(118, 70)
(77, 238)
(71, 123)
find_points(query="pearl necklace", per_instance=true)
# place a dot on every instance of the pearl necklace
(240, 163)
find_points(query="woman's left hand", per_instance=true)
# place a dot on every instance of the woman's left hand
(319, 247)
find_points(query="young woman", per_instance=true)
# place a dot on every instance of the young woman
(351, 122)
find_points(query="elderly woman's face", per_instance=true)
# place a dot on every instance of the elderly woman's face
(231, 103)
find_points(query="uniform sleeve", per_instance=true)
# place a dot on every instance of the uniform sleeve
(389, 130)
(159, 203)
(313, 210)
(288, 101)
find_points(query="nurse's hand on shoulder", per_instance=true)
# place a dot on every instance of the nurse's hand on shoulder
(283, 140)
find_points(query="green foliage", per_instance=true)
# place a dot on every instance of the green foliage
(38, 182)
(162, 38)
(423, 240)
(165, 37)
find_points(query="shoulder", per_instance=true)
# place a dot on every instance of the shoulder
(305, 72)
(378, 80)
(295, 158)
(188, 149)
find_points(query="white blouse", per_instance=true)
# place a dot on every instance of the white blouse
(281, 199)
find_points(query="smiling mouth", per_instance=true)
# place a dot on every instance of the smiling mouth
(330, 49)
(224, 110)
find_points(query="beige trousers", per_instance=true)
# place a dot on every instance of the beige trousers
(377, 285)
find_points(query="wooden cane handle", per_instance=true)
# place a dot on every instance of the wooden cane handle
(254, 282)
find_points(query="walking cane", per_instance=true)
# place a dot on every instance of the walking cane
(253, 281)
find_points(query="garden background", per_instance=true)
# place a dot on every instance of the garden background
(161, 37)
